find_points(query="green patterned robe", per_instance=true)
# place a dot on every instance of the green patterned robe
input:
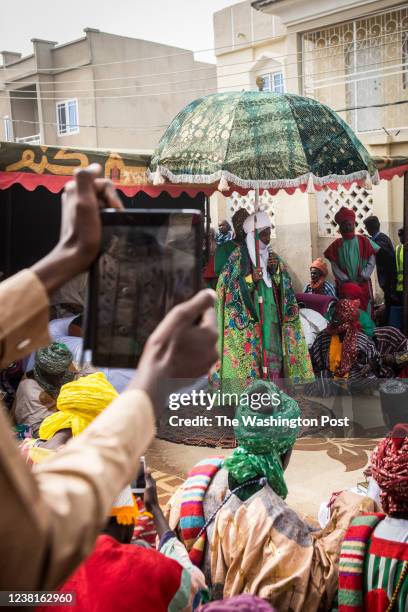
(239, 328)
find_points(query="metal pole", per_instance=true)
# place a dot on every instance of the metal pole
(406, 253)
(207, 217)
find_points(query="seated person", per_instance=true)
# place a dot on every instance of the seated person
(38, 391)
(353, 291)
(70, 298)
(343, 357)
(73, 327)
(318, 279)
(66, 331)
(10, 378)
(232, 517)
(114, 576)
(120, 576)
(392, 346)
(376, 578)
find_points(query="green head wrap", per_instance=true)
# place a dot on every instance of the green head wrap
(263, 438)
(51, 367)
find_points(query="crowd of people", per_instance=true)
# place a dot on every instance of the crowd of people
(332, 338)
(71, 436)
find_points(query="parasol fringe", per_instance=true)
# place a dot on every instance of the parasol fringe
(310, 184)
(208, 179)
(368, 183)
(158, 178)
(223, 184)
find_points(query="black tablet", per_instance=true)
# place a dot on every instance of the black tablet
(150, 261)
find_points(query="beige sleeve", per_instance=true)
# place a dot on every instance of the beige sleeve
(23, 316)
(79, 484)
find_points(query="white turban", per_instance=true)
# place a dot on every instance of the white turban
(262, 221)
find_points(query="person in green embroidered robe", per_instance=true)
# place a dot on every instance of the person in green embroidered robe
(250, 349)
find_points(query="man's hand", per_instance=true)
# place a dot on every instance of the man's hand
(365, 370)
(257, 274)
(389, 360)
(182, 346)
(151, 501)
(152, 505)
(81, 228)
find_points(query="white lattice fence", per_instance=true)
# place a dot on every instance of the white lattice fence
(266, 204)
(359, 199)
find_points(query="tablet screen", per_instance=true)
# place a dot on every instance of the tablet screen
(150, 261)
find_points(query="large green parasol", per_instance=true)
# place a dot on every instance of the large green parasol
(260, 140)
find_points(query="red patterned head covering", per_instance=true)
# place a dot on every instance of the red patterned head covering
(353, 291)
(345, 321)
(389, 464)
(345, 214)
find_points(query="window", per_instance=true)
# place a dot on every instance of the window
(405, 60)
(67, 117)
(8, 129)
(273, 82)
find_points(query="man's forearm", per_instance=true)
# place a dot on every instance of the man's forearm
(368, 270)
(160, 522)
(80, 482)
(57, 268)
(24, 310)
(338, 273)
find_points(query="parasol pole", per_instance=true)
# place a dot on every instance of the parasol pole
(260, 297)
(405, 260)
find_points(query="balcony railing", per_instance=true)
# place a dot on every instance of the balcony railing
(35, 139)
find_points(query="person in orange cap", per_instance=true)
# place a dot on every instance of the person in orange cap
(318, 279)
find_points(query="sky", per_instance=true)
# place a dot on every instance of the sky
(183, 23)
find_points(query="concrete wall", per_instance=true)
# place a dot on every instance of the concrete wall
(297, 236)
(127, 104)
(25, 108)
(83, 91)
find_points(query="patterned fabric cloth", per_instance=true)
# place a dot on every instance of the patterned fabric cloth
(326, 384)
(192, 518)
(352, 560)
(345, 321)
(79, 402)
(261, 443)
(389, 464)
(390, 341)
(222, 238)
(260, 139)
(144, 527)
(327, 288)
(386, 567)
(262, 547)
(239, 328)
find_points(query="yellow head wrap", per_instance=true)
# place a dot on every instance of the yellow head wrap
(78, 403)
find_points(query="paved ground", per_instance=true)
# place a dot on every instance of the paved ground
(317, 468)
